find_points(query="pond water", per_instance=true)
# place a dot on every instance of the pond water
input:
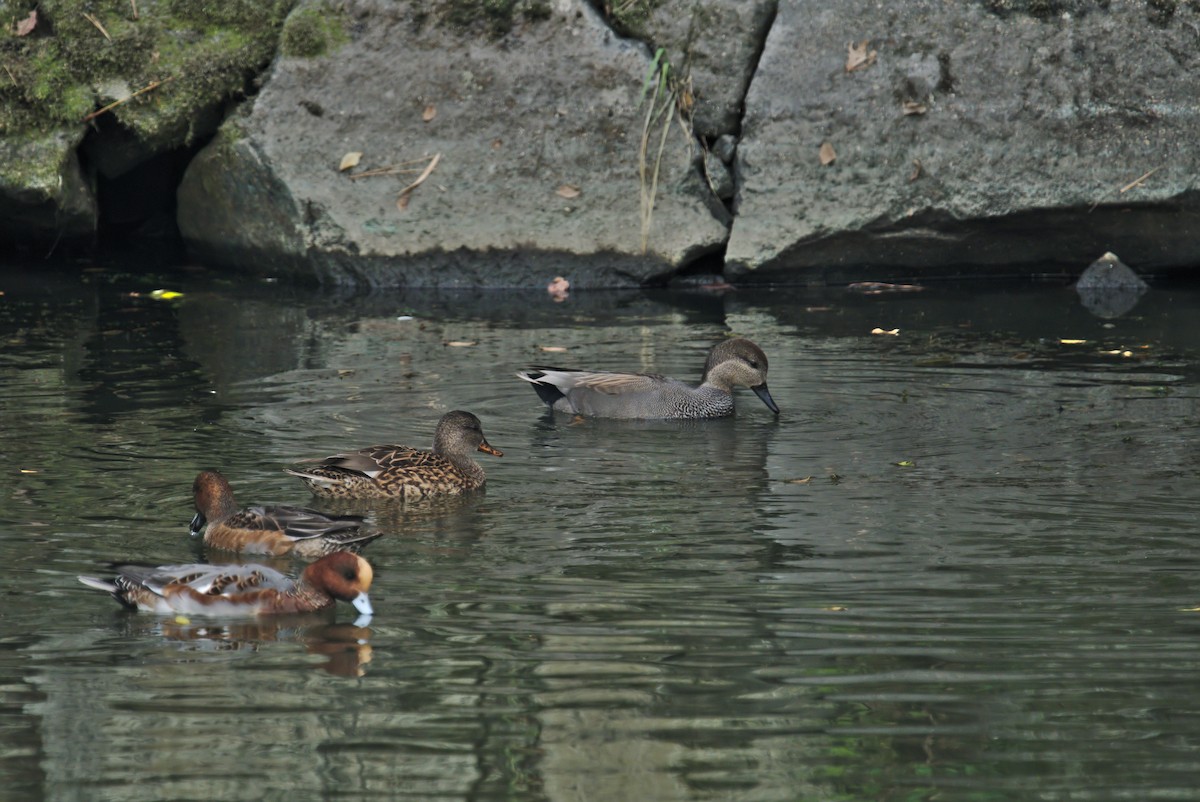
(960, 565)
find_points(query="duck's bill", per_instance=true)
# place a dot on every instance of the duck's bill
(362, 603)
(487, 448)
(197, 524)
(762, 392)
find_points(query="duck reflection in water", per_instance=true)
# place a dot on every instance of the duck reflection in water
(345, 646)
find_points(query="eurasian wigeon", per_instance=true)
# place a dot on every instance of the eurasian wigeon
(240, 590)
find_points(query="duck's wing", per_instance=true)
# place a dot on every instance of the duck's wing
(592, 380)
(298, 523)
(207, 580)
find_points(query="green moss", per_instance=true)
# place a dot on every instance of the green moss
(194, 53)
(312, 31)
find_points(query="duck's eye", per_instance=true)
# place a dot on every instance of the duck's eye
(349, 574)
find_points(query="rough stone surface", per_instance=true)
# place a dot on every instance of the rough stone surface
(44, 196)
(553, 104)
(716, 44)
(1031, 127)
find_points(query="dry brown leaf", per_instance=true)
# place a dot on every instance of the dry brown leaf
(911, 107)
(429, 113)
(827, 153)
(26, 26)
(558, 289)
(402, 201)
(568, 191)
(806, 480)
(461, 343)
(889, 332)
(351, 159)
(858, 57)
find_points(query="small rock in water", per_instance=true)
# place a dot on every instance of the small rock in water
(1108, 272)
(1109, 288)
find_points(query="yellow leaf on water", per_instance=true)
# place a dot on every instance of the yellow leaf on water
(905, 463)
(1064, 341)
(460, 343)
(804, 481)
(837, 608)
(165, 295)
(889, 332)
(351, 159)
(30, 470)
(182, 620)
(553, 349)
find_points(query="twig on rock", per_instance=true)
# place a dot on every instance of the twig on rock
(115, 103)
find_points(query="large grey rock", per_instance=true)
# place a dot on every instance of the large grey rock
(44, 196)
(554, 102)
(714, 43)
(1032, 126)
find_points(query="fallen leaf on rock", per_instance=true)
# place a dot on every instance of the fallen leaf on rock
(827, 154)
(26, 26)
(910, 107)
(858, 57)
(351, 159)
(429, 113)
(558, 289)
(567, 191)
(402, 200)
(461, 343)
(553, 349)
(889, 332)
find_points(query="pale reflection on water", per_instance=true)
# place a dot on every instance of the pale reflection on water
(957, 566)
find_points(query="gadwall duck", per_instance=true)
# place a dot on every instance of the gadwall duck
(240, 590)
(275, 530)
(733, 363)
(404, 472)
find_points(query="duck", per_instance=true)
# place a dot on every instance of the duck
(403, 472)
(275, 530)
(240, 590)
(736, 362)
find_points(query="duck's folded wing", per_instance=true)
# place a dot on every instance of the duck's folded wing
(597, 381)
(209, 580)
(295, 522)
